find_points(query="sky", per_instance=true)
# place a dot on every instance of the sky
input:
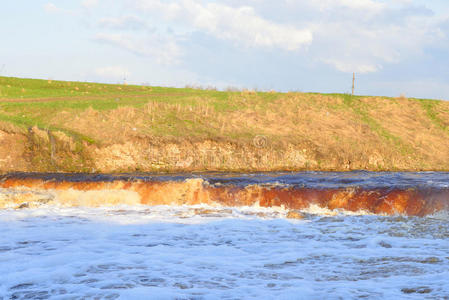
(395, 47)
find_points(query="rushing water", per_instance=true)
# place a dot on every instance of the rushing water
(208, 252)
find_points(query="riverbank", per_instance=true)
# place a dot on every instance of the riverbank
(56, 126)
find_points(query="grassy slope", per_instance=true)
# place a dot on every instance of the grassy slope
(333, 131)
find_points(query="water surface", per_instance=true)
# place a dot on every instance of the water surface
(207, 252)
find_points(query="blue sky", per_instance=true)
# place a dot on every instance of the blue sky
(395, 47)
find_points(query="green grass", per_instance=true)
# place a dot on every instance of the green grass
(361, 109)
(429, 106)
(33, 102)
(27, 122)
(19, 88)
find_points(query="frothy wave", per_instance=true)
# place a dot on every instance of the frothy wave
(17, 192)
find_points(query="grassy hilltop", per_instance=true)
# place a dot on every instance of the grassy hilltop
(90, 127)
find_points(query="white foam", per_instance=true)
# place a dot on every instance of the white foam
(318, 210)
(165, 252)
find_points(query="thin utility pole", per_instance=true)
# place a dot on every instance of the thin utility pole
(353, 81)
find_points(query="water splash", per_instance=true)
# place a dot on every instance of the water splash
(356, 193)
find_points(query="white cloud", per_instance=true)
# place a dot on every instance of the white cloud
(374, 6)
(160, 48)
(367, 34)
(350, 66)
(51, 8)
(367, 6)
(350, 35)
(122, 23)
(360, 36)
(89, 3)
(240, 24)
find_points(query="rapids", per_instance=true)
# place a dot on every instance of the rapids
(412, 194)
(221, 236)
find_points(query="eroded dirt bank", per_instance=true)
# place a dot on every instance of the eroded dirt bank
(26, 192)
(37, 150)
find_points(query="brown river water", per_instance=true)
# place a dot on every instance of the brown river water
(310, 235)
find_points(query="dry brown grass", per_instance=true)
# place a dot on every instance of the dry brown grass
(301, 131)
